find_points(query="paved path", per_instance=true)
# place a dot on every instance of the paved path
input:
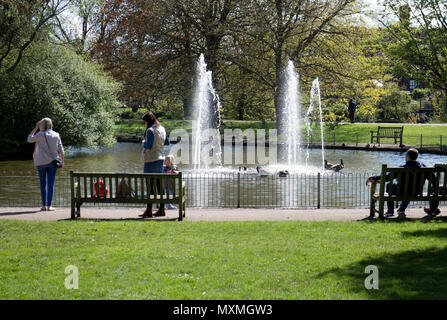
(195, 214)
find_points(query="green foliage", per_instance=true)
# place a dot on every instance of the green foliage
(394, 106)
(167, 110)
(417, 43)
(419, 94)
(53, 81)
(335, 113)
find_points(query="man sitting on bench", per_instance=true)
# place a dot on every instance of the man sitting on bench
(410, 162)
(433, 210)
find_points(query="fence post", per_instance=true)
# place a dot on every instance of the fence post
(334, 138)
(356, 139)
(421, 141)
(239, 189)
(319, 191)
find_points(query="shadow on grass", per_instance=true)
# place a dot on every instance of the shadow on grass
(438, 233)
(418, 274)
(426, 218)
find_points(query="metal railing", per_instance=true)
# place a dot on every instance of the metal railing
(331, 138)
(222, 190)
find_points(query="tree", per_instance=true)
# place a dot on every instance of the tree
(418, 41)
(54, 81)
(285, 29)
(153, 46)
(65, 29)
(21, 22)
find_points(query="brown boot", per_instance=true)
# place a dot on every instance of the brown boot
(160, 213)
(146, 214)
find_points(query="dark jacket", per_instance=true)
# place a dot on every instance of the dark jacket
(352, 106)
(408, 164)
(402, 182)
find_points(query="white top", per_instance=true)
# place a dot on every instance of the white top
(46, 153)
(156, 152)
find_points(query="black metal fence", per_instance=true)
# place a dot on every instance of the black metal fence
(438, 143)
(221, 190)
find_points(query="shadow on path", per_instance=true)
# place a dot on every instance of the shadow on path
(18, 213)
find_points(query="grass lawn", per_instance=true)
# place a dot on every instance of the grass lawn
(344, 133)
(222, 260)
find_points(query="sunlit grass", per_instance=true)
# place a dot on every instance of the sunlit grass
(344, 133)
(222, 260)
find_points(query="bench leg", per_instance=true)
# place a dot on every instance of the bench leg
(73, 210)
(180, 210)
(372, 208)
(78, 209)
(381, 208)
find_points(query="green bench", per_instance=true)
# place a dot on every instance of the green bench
(388, 132)
(136, 188)
(436, 178)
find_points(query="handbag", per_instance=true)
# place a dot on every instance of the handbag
(56, 163)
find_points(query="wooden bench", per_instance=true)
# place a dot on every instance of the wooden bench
(142, 188)
(414, 191)
(388, 132)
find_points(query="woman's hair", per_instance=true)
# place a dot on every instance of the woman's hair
(45, 124)
(170, 159)
(150, 118)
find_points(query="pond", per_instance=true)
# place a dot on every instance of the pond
(224, 187)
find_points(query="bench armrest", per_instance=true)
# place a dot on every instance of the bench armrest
(374, 186)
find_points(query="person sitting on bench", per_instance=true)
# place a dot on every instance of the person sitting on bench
(433, 209)
(410, 162)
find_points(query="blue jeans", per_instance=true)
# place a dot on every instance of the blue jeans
(390, 204)
(47, 176)
(153, 167)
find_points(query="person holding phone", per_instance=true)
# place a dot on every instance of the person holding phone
(48, 157)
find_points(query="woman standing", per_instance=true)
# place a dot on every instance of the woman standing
(153, 158)
(48, 148)
(351, 110)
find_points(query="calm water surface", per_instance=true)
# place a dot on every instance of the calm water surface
(219, 188)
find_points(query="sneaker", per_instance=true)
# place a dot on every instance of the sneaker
(50, 209)
(432, 212)
(401, 214)
(170, 206)
(389, 214)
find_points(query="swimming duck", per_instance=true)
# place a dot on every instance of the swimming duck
(337, 167)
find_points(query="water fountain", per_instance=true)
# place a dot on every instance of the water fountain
(292, 114)
(292, 119)
(315, 99)
(206, 138)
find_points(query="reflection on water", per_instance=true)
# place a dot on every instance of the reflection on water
(126, 157)
(19, 184)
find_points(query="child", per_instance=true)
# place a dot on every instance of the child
(170, 167)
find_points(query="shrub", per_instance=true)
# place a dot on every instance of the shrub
(53, 81)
